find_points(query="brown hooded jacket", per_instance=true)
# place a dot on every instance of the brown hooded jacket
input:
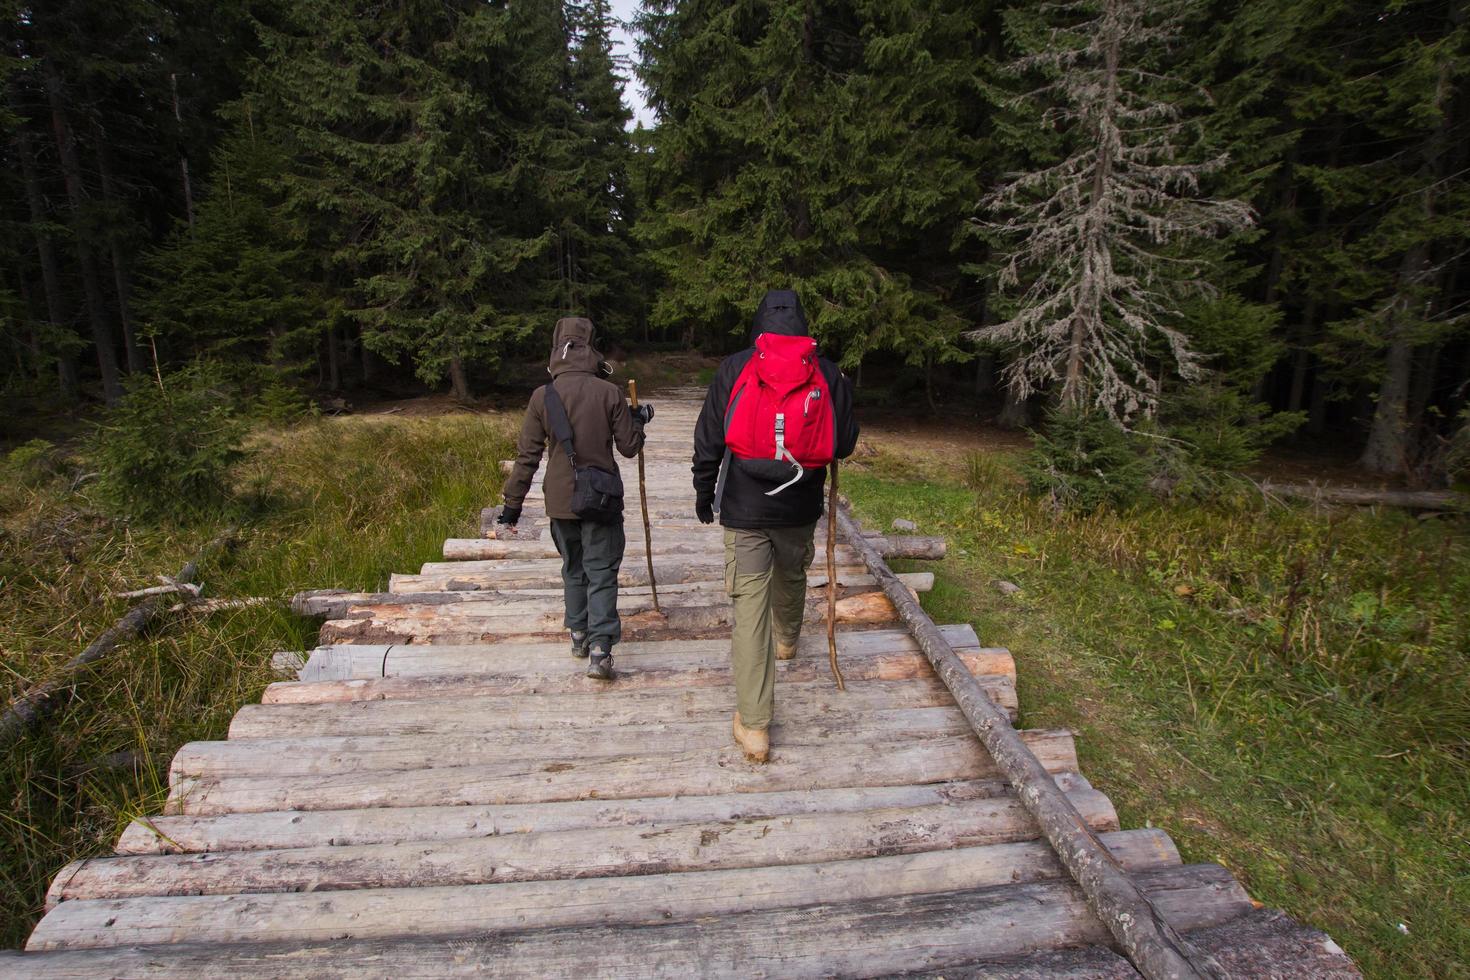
(598, 413)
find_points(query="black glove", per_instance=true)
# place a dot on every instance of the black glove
(704, 509)
(643, 414)
(509, 515)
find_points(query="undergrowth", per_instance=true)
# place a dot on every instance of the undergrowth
(1283, 690)
(339, 503)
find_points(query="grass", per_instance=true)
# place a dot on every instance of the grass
(1283, 690)
(335, 503)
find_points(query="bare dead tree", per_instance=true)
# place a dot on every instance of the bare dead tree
(1096, 249)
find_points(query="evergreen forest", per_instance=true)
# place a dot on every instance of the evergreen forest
(1254, 211)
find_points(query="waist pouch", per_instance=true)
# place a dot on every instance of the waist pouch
(597, 494)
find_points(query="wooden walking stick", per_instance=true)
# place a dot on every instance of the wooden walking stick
(643, 499)
(832, 579)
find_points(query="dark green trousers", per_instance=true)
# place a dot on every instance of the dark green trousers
(591, 555)
(765, 574)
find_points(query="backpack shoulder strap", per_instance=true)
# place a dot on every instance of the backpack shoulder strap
(561, 427)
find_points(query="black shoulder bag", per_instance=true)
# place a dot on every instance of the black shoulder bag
(597, 495)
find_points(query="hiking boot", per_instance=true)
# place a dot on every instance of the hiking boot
(579, 644)
(786, 651)
(599, 667)
(754, 742)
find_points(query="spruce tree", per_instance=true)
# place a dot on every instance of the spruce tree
(819, 147)
(1103, 244)
(406, 172)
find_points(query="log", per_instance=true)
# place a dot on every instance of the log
(407, 660)
(631, 677)
(1150, 943)
(311, 828)
(870, 937)
(716, 770)
(1269, 943)
(338, 603)
(335, 754)
(467, 623)
(697, 573)
(799, 702)
(1447, 500)
(39, 701)
(588, 853)
(420, 912)
(671, 541)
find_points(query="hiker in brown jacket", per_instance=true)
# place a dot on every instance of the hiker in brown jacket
(591, 549)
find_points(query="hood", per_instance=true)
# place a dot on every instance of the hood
(571, 348)
(779, 313)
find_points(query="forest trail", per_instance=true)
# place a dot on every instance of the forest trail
(440, 792)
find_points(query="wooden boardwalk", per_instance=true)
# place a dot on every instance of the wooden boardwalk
(442, 793)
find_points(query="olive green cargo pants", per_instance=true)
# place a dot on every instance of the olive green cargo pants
(765, 575)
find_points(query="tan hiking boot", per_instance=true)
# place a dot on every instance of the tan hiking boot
(786, 651)
(754, 742)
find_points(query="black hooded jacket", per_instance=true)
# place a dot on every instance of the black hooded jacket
(744, 502)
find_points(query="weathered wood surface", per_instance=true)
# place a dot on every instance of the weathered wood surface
(440, 792)
(841, 938)
(587, 853)
(339, 603)
(337, 754)
(698, 540)
(811, 702)
(489, 621)
(382, 825)
(428, 910)
(348, 661)
(709, 771)
(881, 667)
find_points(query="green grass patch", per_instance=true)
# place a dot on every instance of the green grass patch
(334, 503)
(1283, 690)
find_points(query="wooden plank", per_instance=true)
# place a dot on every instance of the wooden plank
(871, 937)
(310, 828)
(683, 540)
(655, 899)
(335, 754)
(716, 770)
(469, 622)
(336, 603)
(565, 679)
(633, 579)
(795, 701)
(588, 853)
(348, 661)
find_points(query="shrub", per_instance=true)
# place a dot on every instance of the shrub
(1214, 432)
(32, 463)
(1085, 460)
(280, 404)
(168, 445)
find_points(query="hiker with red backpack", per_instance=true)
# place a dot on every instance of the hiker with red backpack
(774, 417)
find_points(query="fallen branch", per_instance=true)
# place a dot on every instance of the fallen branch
(170, 589)
(38, 702)
(1153, 947)
(1362, 497)
(217, 605)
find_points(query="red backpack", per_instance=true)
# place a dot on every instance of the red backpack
(779, 421)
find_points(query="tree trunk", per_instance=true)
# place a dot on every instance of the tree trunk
(369, 369)
(120, 275)
(1388, 446)
(173, 84)
(334, 360)
(66, 362)
(71, 170)
(984, 375)
(1015, 413)
(459, 382)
